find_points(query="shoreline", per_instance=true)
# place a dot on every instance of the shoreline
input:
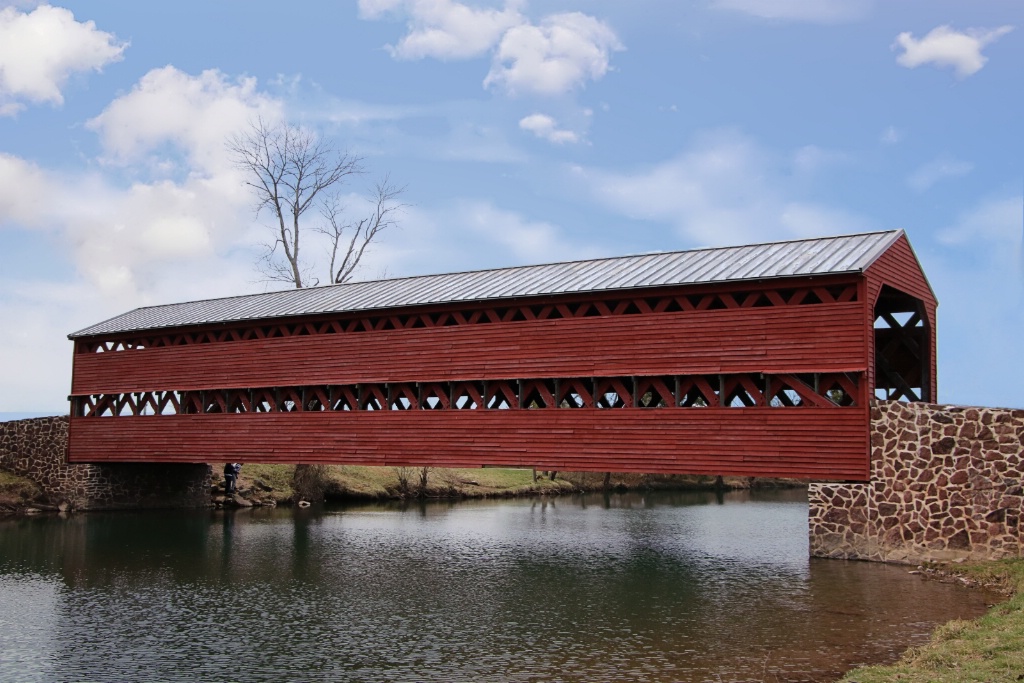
(266, 485)
(274, 485)
(988, 648)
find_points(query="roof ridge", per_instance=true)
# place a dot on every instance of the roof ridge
(765, 260)
(520, 267)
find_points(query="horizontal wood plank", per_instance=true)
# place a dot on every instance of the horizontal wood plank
(820, 338)
(767, 442)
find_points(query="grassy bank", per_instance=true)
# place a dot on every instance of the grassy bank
(367, 483)
(987, 649)
(343, 482)
(272, 484)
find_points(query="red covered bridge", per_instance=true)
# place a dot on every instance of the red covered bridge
(756, 360)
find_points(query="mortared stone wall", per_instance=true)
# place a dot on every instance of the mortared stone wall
(946, 484)
(37, 449)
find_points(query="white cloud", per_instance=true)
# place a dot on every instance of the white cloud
(559, 55)
(527, 241)
(724, 189)
(126, 238)
(444, 29)
(546, 128)
(998, 220)
(934, 171)
(150, 224)
(375, 9)
(127, 246)
(945, 47)
(195, 114)
(117, 236)
(175, 120)
(35, 355)
(23, 190)
(814, 11)
(41, 49)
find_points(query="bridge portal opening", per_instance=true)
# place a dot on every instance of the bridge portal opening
(902, 347)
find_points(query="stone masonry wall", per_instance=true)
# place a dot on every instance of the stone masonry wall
(946, 484)
(37, 449)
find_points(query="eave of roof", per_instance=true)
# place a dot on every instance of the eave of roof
(772, 260)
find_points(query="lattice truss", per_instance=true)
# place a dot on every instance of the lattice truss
(712, 301)
(902, 348)
(752, 390)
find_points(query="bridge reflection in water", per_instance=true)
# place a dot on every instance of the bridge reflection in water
(657, 587)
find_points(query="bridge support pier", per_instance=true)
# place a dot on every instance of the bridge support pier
(37, 449)
(946, 484)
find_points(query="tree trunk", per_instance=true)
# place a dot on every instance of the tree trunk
(424, 474)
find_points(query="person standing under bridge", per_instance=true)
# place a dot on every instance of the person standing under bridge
(231, 471)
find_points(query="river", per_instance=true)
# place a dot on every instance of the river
(626, 587)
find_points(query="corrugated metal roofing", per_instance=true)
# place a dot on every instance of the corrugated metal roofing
(822, 256)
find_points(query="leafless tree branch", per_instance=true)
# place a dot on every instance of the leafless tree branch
(288, 169)
(349, 240)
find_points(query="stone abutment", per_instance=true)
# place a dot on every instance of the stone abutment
(37, 449)
(945, 485)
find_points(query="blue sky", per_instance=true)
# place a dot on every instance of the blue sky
(524, 133)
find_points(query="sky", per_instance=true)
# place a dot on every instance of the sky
(523, 132)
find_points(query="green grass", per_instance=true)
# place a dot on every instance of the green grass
(987, 649)
(351, 481)
(442, 482)
(383, 482)
(277, 477)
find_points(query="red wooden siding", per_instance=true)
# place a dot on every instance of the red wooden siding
(818, 338)
(821, 444)
(779, 338)
(899, 268)
(783, 292)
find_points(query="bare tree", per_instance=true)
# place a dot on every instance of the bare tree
(358, 233)
(310, 482)
(404, 476)
(291, 170)
(424, 477)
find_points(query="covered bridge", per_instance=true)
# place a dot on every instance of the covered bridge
(756, 360)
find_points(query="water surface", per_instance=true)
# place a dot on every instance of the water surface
(631, 587)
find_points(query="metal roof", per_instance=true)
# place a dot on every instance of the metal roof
(821, 256)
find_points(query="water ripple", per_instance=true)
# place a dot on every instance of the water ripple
(651, 588)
